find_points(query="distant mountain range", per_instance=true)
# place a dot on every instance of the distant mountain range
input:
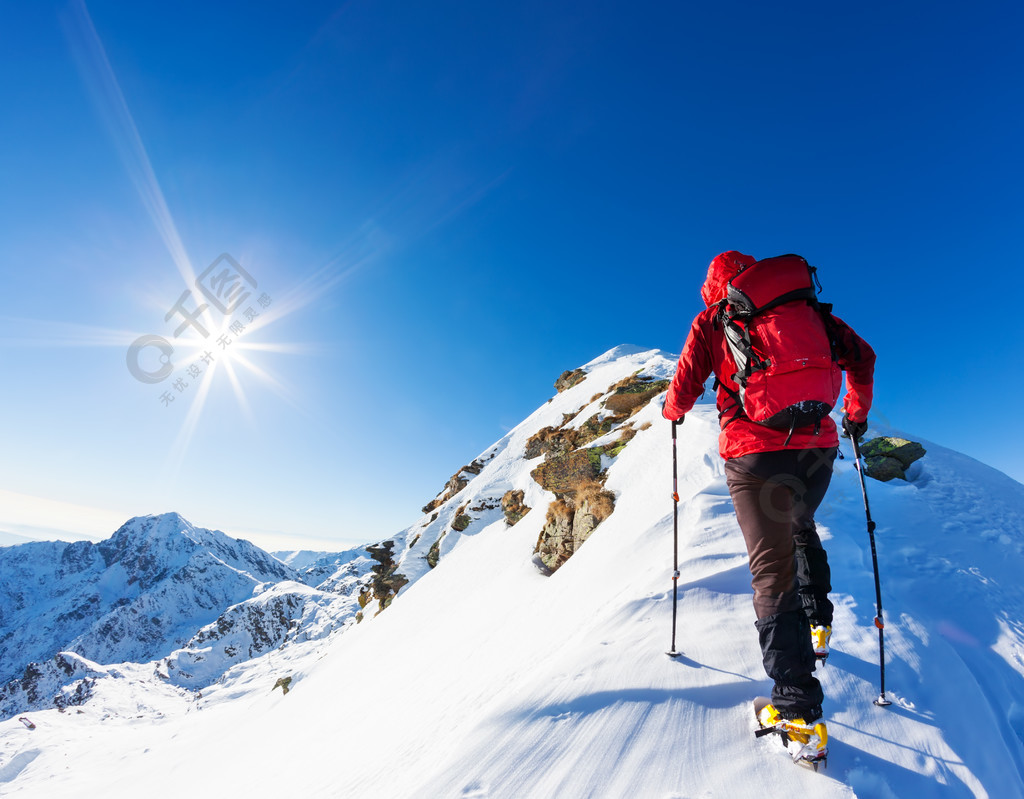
(158, 589)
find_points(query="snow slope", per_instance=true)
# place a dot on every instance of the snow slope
(486, 678)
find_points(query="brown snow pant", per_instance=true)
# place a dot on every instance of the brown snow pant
(775, 495)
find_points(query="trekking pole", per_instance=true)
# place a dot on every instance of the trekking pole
(673, 653)
(881, 701)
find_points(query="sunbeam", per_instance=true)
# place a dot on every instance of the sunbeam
(49, 333)
(103, 85)
(239, 392)
(178, 451)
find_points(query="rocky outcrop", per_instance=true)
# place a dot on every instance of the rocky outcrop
(63, 681)
(595, 427)
(556, 543)
(561, 474)
(513, 506)
(456, 483)
(569, 379)
(434, 553)
(888, 458)
(386, 581)
(561, 440)
(574, 472)
(570, 522)
(286, 613)
(634, 393)
(550, 440)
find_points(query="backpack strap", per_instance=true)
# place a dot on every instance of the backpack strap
(737, 339)
(831, 329)
(746, 311)
(737, 403)
(792, 429)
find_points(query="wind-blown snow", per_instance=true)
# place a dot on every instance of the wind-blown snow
(486, 678)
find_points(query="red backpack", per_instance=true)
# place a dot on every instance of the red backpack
(782, 341)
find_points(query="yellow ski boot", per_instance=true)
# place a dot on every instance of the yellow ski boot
(809, 741)
(820, 636)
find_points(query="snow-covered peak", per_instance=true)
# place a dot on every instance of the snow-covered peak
(166, 530)
(628, 352)
(299, 558)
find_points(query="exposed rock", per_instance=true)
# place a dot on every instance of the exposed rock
(595, 427)
(434, 503)
(627, 433)
(555, 544)
(886, 457)
(475, 467)
(569, 524)
(284, 683)
(63, 681)
(583, 522)
(883, 468)
(906, 452)
(572, 472)
(434, 555)
(286, 613)
(513, 507)
(569, 379)
(461, 522)
(562, 473)
(456, 483)
(386, 582)
(634, 393)
(550, 440)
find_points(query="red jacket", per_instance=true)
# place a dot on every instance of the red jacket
(706, 351)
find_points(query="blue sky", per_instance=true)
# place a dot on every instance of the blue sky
(446, 205)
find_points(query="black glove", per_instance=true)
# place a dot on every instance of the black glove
(852, 429)
(674, 421)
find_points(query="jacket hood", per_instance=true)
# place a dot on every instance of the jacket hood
(724, 267)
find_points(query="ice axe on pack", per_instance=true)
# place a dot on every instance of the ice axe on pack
(879, 623)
